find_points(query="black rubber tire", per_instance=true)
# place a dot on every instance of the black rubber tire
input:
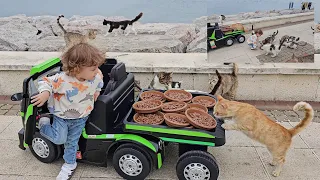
(124, 149)
(202, 157)
(241, 36)
(229, 39)
(141, 149)
(60, 151)
(53, 152)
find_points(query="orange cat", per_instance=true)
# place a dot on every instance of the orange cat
(256, 125)
(238, 26)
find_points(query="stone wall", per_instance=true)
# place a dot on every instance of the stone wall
(271, 81)
(317, 42)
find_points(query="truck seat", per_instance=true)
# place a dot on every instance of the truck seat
(113, 104)
(118, 75)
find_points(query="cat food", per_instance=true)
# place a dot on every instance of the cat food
(154, 118)
(200, 119)
(198, 107)
(176, 120)
(147, 106)
(174, 106)
(178, 95)
(206, 101)
(152, 95)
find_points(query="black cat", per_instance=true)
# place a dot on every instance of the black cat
(124, 24)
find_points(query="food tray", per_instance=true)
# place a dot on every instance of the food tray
(214, 137)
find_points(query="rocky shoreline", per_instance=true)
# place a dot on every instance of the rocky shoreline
(19, 33)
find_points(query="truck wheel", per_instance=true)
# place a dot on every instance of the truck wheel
(43, 149)
(241, 39)
(60, 151)
(229, 42)
(131, 163)
(197, 165)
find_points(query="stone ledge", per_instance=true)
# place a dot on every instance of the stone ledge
(155, 62)
(275, 18)
(274, 21)
(267, 82)
(262, 105)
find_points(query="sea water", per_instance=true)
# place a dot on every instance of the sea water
(166, 11)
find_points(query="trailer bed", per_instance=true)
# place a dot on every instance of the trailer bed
(215, 137)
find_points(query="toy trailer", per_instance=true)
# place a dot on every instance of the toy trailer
(110, 132)
(216, 37)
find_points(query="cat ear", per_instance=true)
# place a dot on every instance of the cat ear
(224, 106)
(220, 97)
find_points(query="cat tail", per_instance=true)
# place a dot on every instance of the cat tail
(235, 69)
(53, 31)
(309, 113)
(137, 86)
(64, 31)
(216, 87)
(281, 43)
(136, 18)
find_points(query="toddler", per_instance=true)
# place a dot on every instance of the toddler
(254, 39)
(71, 95)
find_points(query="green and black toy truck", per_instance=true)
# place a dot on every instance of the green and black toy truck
(217, 38)
(110, 132)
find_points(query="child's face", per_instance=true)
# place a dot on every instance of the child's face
(88, 73)
(258, 35)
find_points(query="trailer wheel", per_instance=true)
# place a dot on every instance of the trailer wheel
(198, 165)
(229, 42)
(241, 38)
(43, 149)
(130, 163)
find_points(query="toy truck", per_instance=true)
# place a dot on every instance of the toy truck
(220, 37)
(111, 133)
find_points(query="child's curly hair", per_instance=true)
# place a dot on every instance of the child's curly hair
(81, 55)
(258, 31)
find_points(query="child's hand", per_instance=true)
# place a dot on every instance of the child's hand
(40, 99)
(96, 94)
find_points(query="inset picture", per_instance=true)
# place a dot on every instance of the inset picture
(260, 32)
(316, 28)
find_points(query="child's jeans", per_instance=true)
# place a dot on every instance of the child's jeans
(252, 46)
(67, 132)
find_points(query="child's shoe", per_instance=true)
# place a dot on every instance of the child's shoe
(67, 171)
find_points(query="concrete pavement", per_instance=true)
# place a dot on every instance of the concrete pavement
(239, 159)
(242, 54)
